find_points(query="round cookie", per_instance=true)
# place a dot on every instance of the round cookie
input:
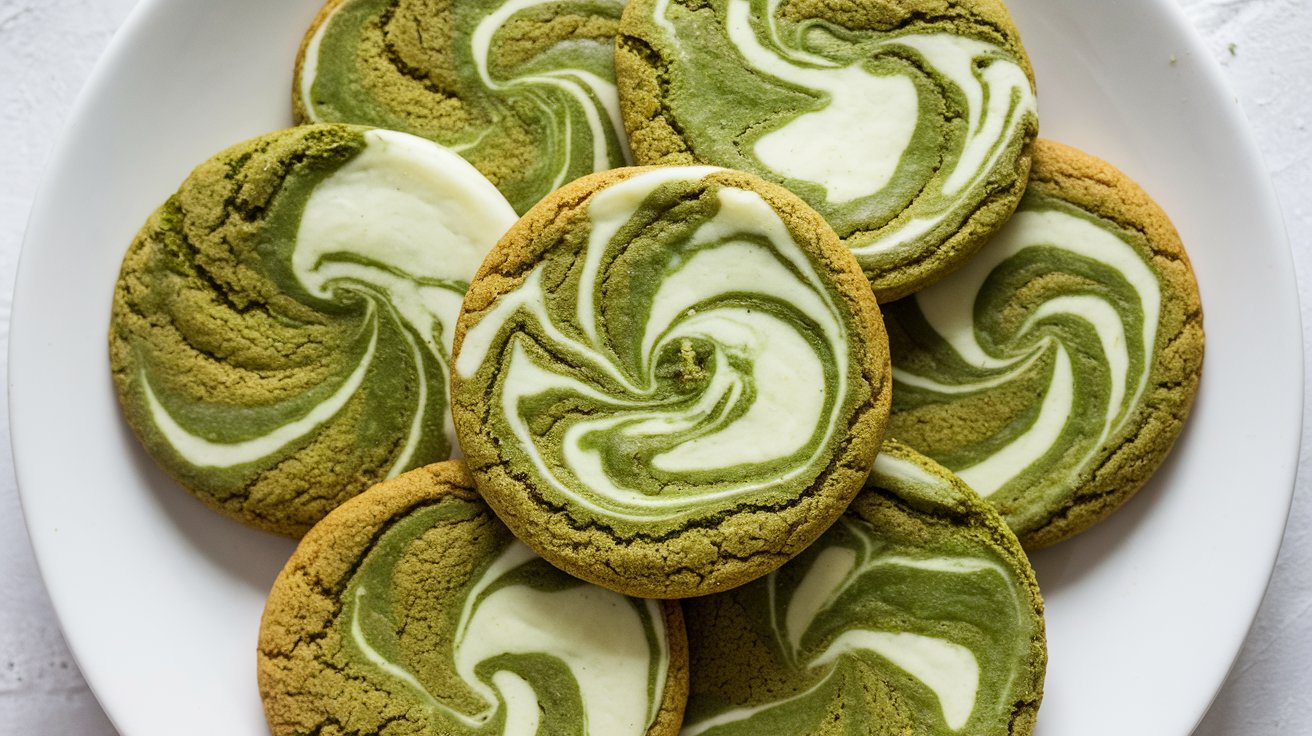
(411, 609)
(523, 89)
(281, 327)
(906, 124)
(669, 381)
(917, 613)
(1055, 370)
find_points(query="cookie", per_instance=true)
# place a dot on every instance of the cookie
(281, 326)
(917, 613)
(411, 609)
(523, 89)
(907, 124)
(669, 381)
(1055, 370)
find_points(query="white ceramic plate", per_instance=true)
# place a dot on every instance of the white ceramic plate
(160, 599)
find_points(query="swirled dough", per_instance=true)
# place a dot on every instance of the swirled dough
(907, 127)
(654, 357)
(523, 89)
(1055, 369)
(282, 326)
(413, 608)
(917, 611)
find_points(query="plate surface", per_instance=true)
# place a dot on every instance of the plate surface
(160, 599)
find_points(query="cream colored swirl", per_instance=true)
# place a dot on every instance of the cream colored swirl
(1121, 318)
(679, 413)
(614, 653)
(404, 224)
(827, 602)
(898, 138)
(506, 84)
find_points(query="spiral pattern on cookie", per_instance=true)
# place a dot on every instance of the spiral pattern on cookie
(533, 627)
(909, 134)
(523, 89)
(1054, 369)
(282, 326)
(917, 611)
(640, 373)
(414, 601)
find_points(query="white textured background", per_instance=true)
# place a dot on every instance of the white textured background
(47, 51)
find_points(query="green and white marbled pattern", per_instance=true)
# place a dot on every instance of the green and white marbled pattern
(907, 616)
(1038, 352)
(896, 136)
(325, 311)
(640, 372)
(517, 648)
(524, 89)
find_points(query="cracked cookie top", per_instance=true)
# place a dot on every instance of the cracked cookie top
(411, 609)
(1054, 371)
(669, 381)
(523, 89)
(918, 611)
(906, 124)
(281, 326)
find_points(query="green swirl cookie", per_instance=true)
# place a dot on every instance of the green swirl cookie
(906, 124)
(411, 609)
(669, 381)
(523, 89)
(1055, 370)
(281, 326)
(917, 613)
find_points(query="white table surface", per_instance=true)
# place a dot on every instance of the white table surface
(47, 51)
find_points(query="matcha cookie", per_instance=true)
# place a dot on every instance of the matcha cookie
(412, 610)
(917, 613)
(281, 326)
(523, 89)
(1055, 370)
(670, 381)
(906, 124)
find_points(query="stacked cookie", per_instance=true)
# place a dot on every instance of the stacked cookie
(516, 391)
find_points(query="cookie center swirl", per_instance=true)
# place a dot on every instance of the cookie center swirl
(393, 235)
(524, 89)
(528, 648)
(893, 137)
(649, 384)
(1060, 305)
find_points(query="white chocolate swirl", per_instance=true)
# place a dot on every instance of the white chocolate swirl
(897, 137)
(614, 648)
(404, 224)
(469, 83)
(1092, 345)
(732, 326)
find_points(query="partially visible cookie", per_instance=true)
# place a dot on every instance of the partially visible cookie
(281, 325)
(525, 90)
(917, 613)
(670, 381)
(907, 123)
(411, 609)
(1055, 370)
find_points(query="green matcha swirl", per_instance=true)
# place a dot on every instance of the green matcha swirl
(909, 134)
(523, 89)
(915, 613)
(626, 357)
(639, 373)
(1025, 370)
(521, 647)
(282, 325)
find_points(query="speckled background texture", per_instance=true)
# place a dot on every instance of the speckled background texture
(48, 49)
